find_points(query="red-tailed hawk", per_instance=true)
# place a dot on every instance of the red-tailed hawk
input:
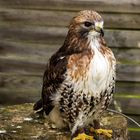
(79, 79)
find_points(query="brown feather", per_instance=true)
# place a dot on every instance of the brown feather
(70, 65)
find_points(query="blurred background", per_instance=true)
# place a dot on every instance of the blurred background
(32, 30)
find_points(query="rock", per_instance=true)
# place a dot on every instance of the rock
(19, 122)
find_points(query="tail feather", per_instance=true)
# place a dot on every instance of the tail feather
(38, 105)
(40, 108)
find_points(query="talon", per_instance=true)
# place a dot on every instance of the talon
(105, 132)
(83, 136)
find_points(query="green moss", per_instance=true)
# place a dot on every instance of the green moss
(134, 129)
(122, 95)
(136, 62)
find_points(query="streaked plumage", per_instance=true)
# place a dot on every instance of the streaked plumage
(79, 79)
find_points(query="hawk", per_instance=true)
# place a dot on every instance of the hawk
(79, 79)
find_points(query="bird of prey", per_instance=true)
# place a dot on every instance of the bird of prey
(79, 79)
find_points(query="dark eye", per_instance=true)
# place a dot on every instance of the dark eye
(87, 24)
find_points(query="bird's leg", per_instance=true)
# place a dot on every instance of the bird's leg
(98, 131)
(96, 124)
(82, 135)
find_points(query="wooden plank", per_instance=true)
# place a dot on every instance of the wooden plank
(127, 88)
(102, 5)
(20, 81)
(41, 52)
(129, 105)
(21, 67)
(56, 35)
(14, 96)
(13, 91)
(50, 35)
(17, 89)
(122, 38)
(22, 95)
(125, 72)
(23, 58)
(9, 81)
(134, 135)
(127, 55)
(62, 18)
(128, 72)
(121, 21)
(27, 49)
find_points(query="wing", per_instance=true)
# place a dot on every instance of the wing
(52, 79)
(54, 76)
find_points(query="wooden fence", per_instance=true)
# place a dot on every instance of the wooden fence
(31, 30)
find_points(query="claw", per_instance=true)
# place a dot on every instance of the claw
(83, 136)
(105, 132)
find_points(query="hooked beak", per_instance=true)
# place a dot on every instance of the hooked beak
(99, 28)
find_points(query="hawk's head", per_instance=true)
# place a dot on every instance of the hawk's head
(86, 24)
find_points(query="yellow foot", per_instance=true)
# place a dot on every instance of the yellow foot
(105, 132)
(83, 136)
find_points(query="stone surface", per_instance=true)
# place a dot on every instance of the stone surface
(19, 122)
